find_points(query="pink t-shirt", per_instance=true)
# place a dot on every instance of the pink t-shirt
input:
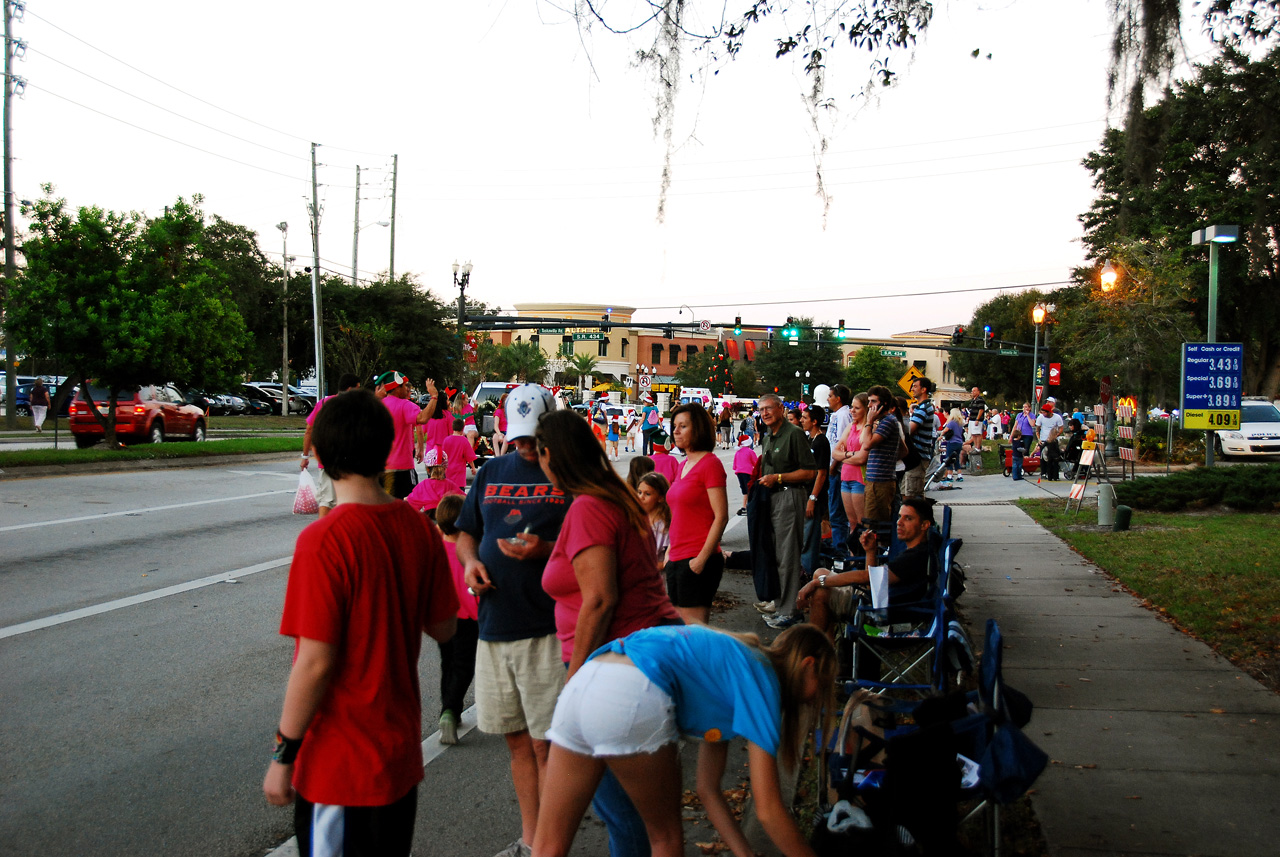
(311, 421)
(852, 472)
(691, 512)
(744, 460)
(468, 415)
(436, 430)
(500, 419)
(642, 594)
(426, 495)
(466, 601)
(404, 414)
(459, 453)
(666, 464)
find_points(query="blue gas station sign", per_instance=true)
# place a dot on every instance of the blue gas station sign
(1211, 382)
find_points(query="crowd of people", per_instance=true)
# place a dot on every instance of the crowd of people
(569, 594)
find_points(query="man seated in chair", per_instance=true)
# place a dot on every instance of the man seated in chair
(829, 596)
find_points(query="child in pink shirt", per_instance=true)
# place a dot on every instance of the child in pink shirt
(457, 656)
(744, 464)
(426, 495)
(460, 454)
(663, 462)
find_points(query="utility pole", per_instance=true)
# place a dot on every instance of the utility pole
(10, 266)
(395, 166)
(315, 275)
(355, 238)
(283, 226)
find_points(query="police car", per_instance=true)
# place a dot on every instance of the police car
(1259, 432)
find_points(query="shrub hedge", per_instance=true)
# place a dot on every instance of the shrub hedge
(1246, 488)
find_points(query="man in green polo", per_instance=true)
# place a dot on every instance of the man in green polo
(788, 471)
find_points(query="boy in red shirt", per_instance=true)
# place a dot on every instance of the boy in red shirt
(367, 581)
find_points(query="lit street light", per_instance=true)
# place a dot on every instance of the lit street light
(1213, 236)
(1109, 276)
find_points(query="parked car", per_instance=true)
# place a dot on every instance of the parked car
(271, 398)
(1259, 432)
(299, 402)
(151, 414)
(22, 400)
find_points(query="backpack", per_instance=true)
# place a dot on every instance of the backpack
(653, 418)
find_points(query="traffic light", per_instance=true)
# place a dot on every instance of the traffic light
(535, 338)
(988, 338)
(737, 325)
(605, 327)
(791, 331)
(840, 331)
(669, 333)
(957, 335)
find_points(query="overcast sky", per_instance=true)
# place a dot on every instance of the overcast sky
(529, 150)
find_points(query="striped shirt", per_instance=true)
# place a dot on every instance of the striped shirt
(922, 437)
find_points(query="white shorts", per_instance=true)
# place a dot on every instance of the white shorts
(975, 428)
(612, 709)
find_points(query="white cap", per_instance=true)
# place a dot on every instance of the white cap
(525, 404)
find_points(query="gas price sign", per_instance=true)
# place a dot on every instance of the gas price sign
(1211, 376)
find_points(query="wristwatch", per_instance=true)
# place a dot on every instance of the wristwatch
(813, 498)
(822, 581)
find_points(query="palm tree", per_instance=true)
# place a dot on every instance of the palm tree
(580, 365)
(526, 362)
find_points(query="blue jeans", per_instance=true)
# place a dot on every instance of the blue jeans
(810, 549)
(627, 836)
(839, 520)
(1019, 450)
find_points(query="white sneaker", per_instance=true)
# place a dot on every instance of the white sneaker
(516, 849)
(767, 606)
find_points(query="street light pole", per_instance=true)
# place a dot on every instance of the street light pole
(461, 284)
(283, 226)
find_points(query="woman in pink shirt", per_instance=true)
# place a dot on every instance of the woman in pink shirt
(500, 427)
(852, 451)
(699, 512)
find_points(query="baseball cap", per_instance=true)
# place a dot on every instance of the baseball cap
(525, 404)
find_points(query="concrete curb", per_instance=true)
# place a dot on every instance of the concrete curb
(83, 468)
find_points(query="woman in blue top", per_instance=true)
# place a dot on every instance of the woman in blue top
(627, 706)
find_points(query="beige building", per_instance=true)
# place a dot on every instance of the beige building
(910, 350)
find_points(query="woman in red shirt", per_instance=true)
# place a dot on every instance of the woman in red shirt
(601, 574)
(699, 513)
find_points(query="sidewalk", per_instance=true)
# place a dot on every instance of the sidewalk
(1158, 745)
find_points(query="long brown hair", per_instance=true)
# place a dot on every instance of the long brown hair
(787, 653)
(660, 484)
(581, 466)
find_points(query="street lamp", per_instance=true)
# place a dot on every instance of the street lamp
(283, 226)
(1213, 236)
(461, 283)
(1038, 315)
(1109, 276)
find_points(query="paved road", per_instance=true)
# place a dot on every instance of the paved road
(140, 686)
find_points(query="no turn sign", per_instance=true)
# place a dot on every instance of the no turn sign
(704, 325)
(646, 382)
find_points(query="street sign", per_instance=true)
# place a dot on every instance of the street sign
(626, 382)
(1008, 352)
(646, 381)
(593, 336)
(910, 375)
(894, 352)
(1055, 374)
(805, 390)
(553, 331)
(1211, 382)
(1039, 392)
(704, 325)
(1104, 391)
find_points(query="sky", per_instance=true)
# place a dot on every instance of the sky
(527, 147)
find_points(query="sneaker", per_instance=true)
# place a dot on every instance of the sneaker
(448, 728)
(516, 849)
(742, 512)
(766, 606)
(781, 623)
(959, 478)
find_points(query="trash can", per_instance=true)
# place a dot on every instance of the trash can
(1123, 516)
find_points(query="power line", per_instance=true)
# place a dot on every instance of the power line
(790, 302)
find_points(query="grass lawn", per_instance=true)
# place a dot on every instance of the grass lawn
(1212, 573)
(240, 446)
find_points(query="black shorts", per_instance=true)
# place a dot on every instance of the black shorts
(686, 589)
(744, 482)
(364, 829)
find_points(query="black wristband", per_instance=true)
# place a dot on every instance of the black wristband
(286, 749)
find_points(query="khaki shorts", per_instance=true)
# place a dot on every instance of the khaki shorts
(913, 481)
(880, 500)
(517, 684)
(841, 600)
(325, 495)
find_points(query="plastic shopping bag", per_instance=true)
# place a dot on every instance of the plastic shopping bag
(304, 502)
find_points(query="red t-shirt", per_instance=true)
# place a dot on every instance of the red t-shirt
(666, 464)
(426, 495)
(691, 512)
(642, 593)
(367, 579)
(404, 414)
(467, 608)
(459, 452)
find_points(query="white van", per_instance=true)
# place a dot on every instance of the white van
(701, 395)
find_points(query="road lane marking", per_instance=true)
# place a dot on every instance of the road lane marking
(264, 473)
(142, 598)
(102, 515)
(431, 748)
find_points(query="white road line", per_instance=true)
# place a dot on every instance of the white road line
(276, 473)
(120, 603)
(733, 522)
(102, 515)
(431, 748)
